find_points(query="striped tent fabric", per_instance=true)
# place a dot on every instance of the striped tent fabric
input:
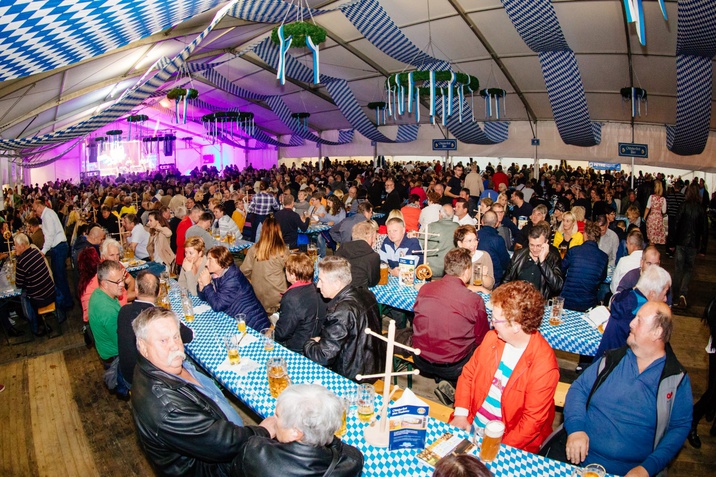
(38, 36)
(537, 24)
(695, 49)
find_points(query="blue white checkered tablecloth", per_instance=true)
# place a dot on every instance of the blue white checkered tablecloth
(395, 295)
(240, 245)
(253, 390)
(315, 228)
(10, 292)
(610, 273)
(137, 268)
(377, 215)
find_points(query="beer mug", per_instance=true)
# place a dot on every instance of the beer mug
(188, 308)
(592, 470)
(366, 402)
(491, 440)
(312, 251)
(231, 343)
(556, 307)
(269, 344)
(277, 373)
(476, 274)
(384, 273)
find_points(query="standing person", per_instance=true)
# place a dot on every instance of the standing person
(674, 199)
(706, 406)
(32, 276)
(264, 265)
(56, 247)
(654, 215)
(261, 205)
(159, 247)
(473, 182)
(689, 234)
(454, 184)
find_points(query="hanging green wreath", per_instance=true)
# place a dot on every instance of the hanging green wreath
(500, 93)
(137, 118)
(176, 93)
(114, 132)
(377, 105)
(299, 31)
(301, 115)
(440, 76)
(626, 93)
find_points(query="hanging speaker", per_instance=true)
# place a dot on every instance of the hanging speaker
(169, 144)
(92, 151)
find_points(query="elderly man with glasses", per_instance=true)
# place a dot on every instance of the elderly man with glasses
(104, 308)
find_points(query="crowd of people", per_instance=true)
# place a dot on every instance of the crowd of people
(520, 235)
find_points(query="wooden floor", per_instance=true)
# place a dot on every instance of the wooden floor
(58, 419)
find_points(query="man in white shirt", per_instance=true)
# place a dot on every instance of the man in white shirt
(635, 247)
(138, 238)
(462, 216)
(57, 249)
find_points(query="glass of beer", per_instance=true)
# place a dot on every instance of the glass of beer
(269, 343)
(592, 470)
(277, 372)
(384, 273)
(344, 426)
(231, 343)
(476, 274)
(241, 322)
(188, 308)
(556, 307)
(312, 251)
(491, 440)
(366, 402)
(163, 301)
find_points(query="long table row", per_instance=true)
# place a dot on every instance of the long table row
(248, 382)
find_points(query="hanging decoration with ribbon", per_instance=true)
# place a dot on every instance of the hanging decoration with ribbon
(298, 34)
(181, 97)
(635, 14)
(404, 91)
(115, 137)
(379, 108)
(100, 141)
(302, 119)
(227, 123)
(637, 96)
(137, 119)
(494, 96)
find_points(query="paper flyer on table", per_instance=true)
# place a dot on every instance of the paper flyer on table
(597, 317)
(408, 419)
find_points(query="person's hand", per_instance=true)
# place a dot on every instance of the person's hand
(577, 447)
(317, 339)
(461, 422)
(270, 425)
(543, 253)
(204, 278)
(395, 271)
(518, 246)
(638, 471)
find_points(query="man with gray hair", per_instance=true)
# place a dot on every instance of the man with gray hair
(32, 276)
(364, 261)
(440, 235)
(489, 241)
(653, 285)
(343, 345)
(185, 424)
(104, 307)
(307, 418)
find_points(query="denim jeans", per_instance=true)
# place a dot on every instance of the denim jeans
(29, 311)
(684, 265)
(58, 260)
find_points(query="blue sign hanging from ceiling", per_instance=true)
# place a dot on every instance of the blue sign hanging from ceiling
(628, 149)
(444, 144)
(605, 166)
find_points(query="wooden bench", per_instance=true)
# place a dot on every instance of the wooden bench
(560, 394)
(438, 411)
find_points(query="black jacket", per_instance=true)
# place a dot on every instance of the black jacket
(181, 430)
(551, 270)
(365, 262)
(690, 225)
(302, 312)
(290, 223)
(263, 457)
(344, 346)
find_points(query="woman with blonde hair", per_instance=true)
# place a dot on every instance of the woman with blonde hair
(192, 266)
(654, 215)
(567, 235)
(580, 214)
(264, 265)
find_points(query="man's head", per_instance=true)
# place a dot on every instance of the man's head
(458, 263)
(220, 210)
(195, 213)
(334, 274)
(446, 212)
(299, 267)
(109, 250)
(651, 329)
(389, 185)
(518, 198)
(96, 235)
(458, 170)
(365, 208)
(22, 243)
(33, 223)
(651, 256)
(461, 208)
(158, 339)
(592, 231)
(363, 231)
(539, 214)
(538, 236)
(205, 220)
(489, 219)
(634, 241)
(308, 413)
(147, 286)
(105, 210)
(110, 276)
(288, 201)
(396, 230)
(439, 189)
(38, 207)
(654, 283)
(129, 221)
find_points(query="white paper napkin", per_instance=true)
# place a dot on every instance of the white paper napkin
(597, 317)
(242, 369)
(203, 308)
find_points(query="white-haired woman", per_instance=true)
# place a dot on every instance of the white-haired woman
(307, 417)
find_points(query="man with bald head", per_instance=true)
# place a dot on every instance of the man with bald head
(491, 242)
(93, 239)
(631, 410)
(650, 256)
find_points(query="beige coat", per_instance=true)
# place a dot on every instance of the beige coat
(159, 247)
(268, 277)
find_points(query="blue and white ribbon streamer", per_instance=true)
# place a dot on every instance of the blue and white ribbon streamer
(314, 50)
(283, 45)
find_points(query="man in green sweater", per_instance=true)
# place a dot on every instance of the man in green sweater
(104, 308)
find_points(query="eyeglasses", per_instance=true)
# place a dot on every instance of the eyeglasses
(118, 282)
(495, 322)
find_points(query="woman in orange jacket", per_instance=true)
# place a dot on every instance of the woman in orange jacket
(513, 374)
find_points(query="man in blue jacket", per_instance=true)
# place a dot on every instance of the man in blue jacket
(490, 241)
(584, 268)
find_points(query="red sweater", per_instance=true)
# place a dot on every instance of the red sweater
(181, 238)
(527, 400)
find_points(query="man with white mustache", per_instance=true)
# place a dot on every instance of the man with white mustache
(185, 424)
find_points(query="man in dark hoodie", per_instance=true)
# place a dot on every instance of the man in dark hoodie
(364, 261)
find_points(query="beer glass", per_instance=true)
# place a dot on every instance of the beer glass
(344, 426)
(277, 372)
(366, 402)
(231, 343)
(384, 273)
(267, 333)
(491, 440)
(312, 251)
(592, 470)
(476, 274)
(556, 307)
(188, 308)
(241, 322)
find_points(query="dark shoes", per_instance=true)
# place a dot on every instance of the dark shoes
(681, 304)
(694, 439)
(445, 393)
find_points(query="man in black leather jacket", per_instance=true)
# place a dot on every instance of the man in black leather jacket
(308, 416)
(539, 263)
(186, 426)
(343, 345)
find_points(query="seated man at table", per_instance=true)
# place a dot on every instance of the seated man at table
(307, 417)
(397, 245)
(365, 262)
(440, 239)
(104, 308)
(32, 276)
(513, 374)
(584, 268)
(343, 346)
(185, 424)
(147, 292)
(138, 238)
(653, 285)
(450, 320)
(631, 411)
(538, 264)
(200, 229)
(635, 248)
(290, 222)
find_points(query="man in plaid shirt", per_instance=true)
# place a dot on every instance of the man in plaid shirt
(261, 205)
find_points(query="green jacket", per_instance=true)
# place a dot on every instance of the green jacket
(103, 312)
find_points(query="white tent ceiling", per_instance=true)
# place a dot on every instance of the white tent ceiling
(475, 36)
